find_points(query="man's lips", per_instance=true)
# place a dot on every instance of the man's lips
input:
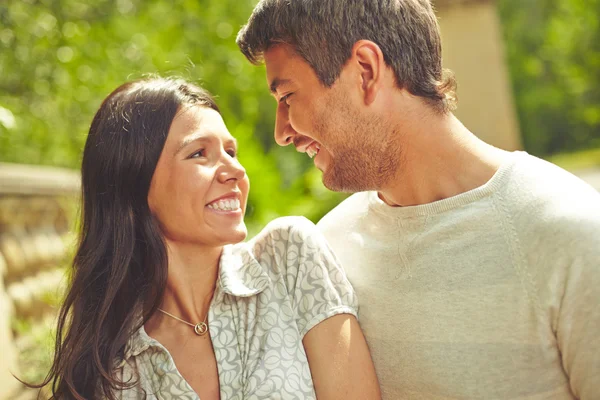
(302, 142)
(308, 146)
(313, 149)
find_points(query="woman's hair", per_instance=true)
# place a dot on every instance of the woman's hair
(120, 268)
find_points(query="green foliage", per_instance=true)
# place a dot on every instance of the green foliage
(553, 49)
(60, 58)
(35, 349)
(581, 160)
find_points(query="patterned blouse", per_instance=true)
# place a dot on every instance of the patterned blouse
(270, 292)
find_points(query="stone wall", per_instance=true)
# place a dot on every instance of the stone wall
(37, 207)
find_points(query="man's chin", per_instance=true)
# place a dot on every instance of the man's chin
(337, 183)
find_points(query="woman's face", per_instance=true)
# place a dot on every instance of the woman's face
(199, 189)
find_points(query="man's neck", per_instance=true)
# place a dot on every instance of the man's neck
(441, 158)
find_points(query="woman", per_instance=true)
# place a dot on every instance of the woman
(165, 302)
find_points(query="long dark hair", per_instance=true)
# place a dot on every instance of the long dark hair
(120, 268)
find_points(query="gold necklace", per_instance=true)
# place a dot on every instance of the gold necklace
(200, 328)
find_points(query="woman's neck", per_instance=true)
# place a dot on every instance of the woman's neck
(191, 282)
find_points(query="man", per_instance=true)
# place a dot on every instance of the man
(477, 269)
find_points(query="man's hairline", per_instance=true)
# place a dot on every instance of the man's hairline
(294, 54)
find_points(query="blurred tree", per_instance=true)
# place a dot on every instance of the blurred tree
(553, 49)
(60, 58)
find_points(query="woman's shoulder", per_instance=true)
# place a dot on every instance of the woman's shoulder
(285, 243)
(280, 245)
(286, 229)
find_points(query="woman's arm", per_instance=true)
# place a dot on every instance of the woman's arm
(339, 360)
(326, 309)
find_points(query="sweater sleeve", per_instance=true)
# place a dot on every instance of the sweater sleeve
(578, 319)
(563, 259)
(557, 225)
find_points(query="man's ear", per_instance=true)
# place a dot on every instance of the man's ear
(371, 66)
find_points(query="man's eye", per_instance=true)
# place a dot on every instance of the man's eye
(285, 98)
(198, 154)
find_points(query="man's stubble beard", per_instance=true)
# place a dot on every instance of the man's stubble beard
(365, 157)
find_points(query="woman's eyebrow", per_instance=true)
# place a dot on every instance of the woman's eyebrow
(197, 137)
(232, 141)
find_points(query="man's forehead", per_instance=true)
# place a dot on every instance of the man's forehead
(279, 61)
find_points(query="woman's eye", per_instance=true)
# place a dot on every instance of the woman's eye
(232, 153)
(198, 154)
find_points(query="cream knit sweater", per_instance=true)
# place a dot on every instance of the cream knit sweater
(491, 294)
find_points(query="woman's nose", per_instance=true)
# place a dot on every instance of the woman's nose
(231, 170)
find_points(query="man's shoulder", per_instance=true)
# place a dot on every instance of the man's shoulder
(552, 208)
(547, 188)
(544, 178)
(345, 213)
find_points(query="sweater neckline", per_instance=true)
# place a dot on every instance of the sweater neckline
(497, 181)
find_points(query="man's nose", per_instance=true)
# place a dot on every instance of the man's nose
(283, 130)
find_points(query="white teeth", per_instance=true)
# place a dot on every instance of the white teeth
(225, 205)
(313, 150)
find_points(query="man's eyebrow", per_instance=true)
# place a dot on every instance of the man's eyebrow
(278, 82)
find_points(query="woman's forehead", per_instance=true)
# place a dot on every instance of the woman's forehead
(196, 122)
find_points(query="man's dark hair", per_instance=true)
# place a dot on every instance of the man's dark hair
(323, 33)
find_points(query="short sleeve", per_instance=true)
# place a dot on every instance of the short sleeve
(316, 283)
(578, 324)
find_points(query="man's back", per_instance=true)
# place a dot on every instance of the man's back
(489, 294)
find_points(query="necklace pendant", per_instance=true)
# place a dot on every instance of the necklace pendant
(201, 328)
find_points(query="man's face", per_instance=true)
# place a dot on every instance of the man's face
(331, 125)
